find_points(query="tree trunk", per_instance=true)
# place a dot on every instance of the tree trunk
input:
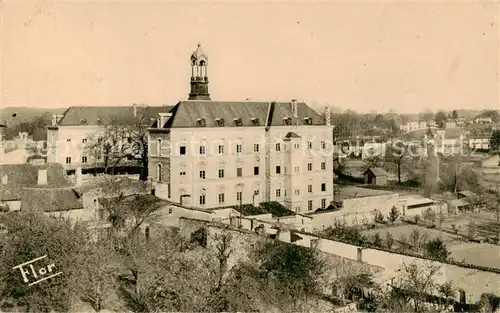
(399, 171)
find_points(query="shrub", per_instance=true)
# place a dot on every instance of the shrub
(389, 240)
(417, 219)
(393, 215)
(430, 216)
(377, 241)
(454, 228)
(200, 236)
(436, 249)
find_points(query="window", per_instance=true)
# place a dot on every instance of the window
(297, 169)
(201, 122)
(323, 203)
(256, 170)
(221, 149)
(278, 147)
(238, 121)
(202, 174)
(297, 192)
(309, 145)
(202, 199)
(159, 172)
(255, 121)
(278, 193)
(239, 196)
(84, 140)
(169, 191)
(323, 165)
(256, 192)
(182, 150)
(323, 145)
(309, 205)
(296, 146)
(310, 188)
(221, 198)
(183, 173)
(169, 210)
(68, 160)
(323, 187)
(221, 173)
(68, 140)
(158, 147)
(84, 159)
(220, 122)
(202, 150)
(238, 148)
(309, 167)
(278, 169)
(239, 172)
(255, 147)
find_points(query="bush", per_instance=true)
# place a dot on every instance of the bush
(417, 219)
(393, 215)
(389, 240)
(436, 249)
(455, 228)
(200, 236)
(377, 241)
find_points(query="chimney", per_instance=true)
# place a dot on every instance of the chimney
(327, 116)
(134, 107)
(54, 119)
(42, 177)
(294, 107)
(78, 176)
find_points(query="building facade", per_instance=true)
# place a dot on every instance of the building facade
(210, 154)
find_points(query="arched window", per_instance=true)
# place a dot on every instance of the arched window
(203, 196)
(159, 173)
(239, 193)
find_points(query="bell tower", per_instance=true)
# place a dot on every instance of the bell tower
(199, 76)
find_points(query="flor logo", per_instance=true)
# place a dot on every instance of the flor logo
(33, 274)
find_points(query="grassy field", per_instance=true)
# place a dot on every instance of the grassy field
(483, 254)
(406, 230)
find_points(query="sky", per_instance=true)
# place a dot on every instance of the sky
(366, 56)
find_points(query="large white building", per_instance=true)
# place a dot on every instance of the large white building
(212, 154)
(71, 133)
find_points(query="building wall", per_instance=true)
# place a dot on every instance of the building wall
(254, 188)
(74, 215)
(13, 205)
(169, 215)
(382, 203)
(59, 148)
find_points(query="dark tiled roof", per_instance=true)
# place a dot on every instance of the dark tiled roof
(292, 135)
(92, 115)
(126, 185)
(283, 110)
(275, 208)
(187, 113)
(50, 200)
(26, 175)
(377, 171)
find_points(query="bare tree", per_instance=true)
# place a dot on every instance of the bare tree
(122, 142)
(412, 286)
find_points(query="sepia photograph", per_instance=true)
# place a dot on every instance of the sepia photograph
(249, 156)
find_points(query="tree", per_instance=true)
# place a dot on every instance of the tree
(454, 114)
(377, 241)
(352, 285)
(471, 230)
(436, 249)
(389, 240)
(122, 141)
(495, 117)
(393, 214)
(495, 140)
(440, 118)
(396, 153)
(412, 286)
(426, 116)
(33, 235)
(98, 266)
(293, 268)
(447, 291)
(430, 216)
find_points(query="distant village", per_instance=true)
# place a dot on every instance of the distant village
(374, 195)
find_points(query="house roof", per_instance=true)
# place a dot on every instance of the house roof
(377, 171)
(26, 176)
(97, 115)
(50, 200)
(467, 193)
(186, 114)
(292, 135)
(351, 192)
(126, 186)
(459, 202)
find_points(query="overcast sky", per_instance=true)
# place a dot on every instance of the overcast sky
(360, 55)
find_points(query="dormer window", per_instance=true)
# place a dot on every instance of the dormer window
(308, 120)
(99, 120)
(287, 121)
(238, 122)
(83, 121)
(4, 179)
(220, 122)
(255, 121)
(201, 122)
